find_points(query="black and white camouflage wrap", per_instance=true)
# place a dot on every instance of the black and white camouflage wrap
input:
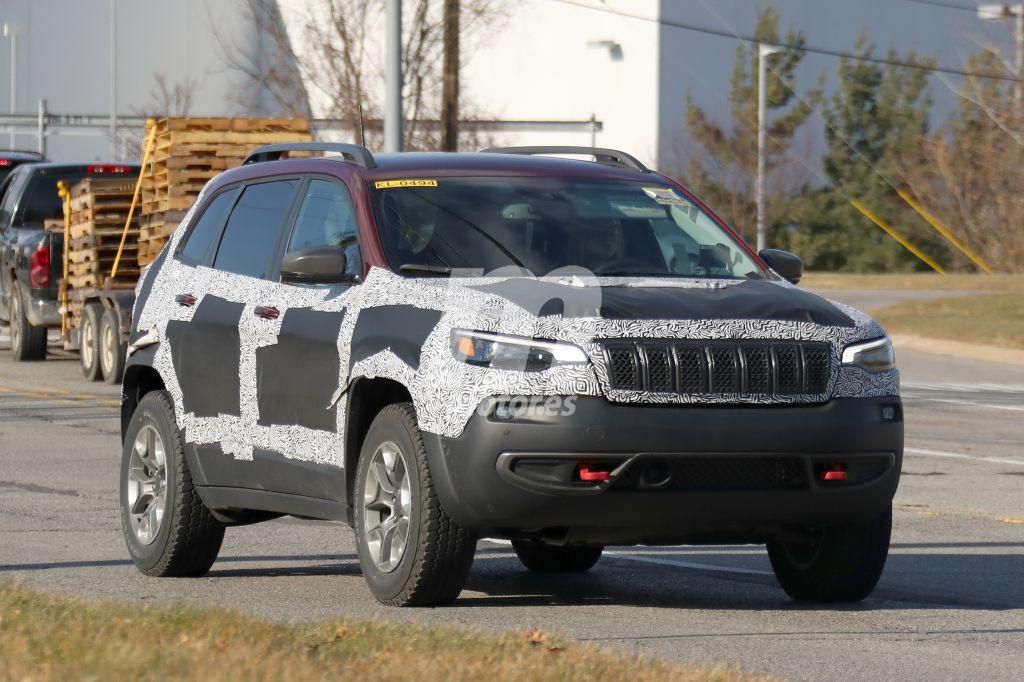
(445, 392)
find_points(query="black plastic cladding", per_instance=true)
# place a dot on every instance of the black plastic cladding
(728, 367)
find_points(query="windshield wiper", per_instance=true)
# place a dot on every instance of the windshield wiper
(425, 269)
(633, 273)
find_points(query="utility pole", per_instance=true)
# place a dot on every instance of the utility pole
(113, 80)
(450, 85)
(763, 52)
(393, 100)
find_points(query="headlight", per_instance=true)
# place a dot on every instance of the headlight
(874, 356)
(513, 352)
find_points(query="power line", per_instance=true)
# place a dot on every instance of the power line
(947, 5)
(813, 49)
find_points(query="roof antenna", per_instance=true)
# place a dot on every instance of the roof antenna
(362, 126)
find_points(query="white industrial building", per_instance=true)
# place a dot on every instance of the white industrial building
(547, 60)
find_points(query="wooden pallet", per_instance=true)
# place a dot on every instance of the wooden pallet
(187, 154)
(99, 209)
(299, 125)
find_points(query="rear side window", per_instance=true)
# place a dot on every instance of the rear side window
(204, 233)
(39, 201)
(251, 235)
(10, 198)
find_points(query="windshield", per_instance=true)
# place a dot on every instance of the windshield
(611, 228)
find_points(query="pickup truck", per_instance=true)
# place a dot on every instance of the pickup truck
(31, 256)
(11, 159)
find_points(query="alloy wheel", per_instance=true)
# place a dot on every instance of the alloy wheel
(15, 318)
(387, 506)
(147, 484)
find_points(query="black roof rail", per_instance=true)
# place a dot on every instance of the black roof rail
(355, 153)
(608, 157)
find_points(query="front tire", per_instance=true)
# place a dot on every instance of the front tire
(89, 342)
(28, 342)
(112, 352)
(411, 552)
(833, 565)
(168, 529)
(543, 558)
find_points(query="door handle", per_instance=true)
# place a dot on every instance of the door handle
(267, 312)
(187, 300)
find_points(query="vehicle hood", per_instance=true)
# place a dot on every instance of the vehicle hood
(652, 299)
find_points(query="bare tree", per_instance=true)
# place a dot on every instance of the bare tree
(270, 72)
(337, 53)
(167, 99)
(971, 175)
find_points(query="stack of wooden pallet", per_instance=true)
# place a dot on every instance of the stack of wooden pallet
(99, 208)
(190, 151)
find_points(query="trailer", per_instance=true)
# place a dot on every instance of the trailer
(111, 231)
(100, 243)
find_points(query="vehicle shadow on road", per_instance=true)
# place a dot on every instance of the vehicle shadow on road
(283, 565)
(917, 576)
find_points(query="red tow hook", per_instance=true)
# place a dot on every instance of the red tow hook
(592, 474)
(836, 472)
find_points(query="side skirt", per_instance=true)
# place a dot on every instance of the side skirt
(232, 500)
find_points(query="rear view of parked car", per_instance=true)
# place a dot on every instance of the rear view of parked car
(31, 257)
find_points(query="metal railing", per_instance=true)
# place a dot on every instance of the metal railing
(44, 125)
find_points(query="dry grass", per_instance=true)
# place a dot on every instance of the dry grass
(917, 282)
(46, 637)
(987, 319)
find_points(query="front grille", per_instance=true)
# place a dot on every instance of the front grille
(718, 367)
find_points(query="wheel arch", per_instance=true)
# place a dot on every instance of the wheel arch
(140, 378)
(366, 398)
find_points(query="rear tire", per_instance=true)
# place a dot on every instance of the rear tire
(543, 558)
(833, 565)
(394, 496)
(28, 342)
(166, 526)
(112, 352)
(89, 342)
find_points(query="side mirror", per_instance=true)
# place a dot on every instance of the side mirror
(316, 265)
(785, 263)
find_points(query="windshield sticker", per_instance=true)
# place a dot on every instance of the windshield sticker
(666, 196)
(414, 182)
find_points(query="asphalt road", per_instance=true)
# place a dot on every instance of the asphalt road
(950, 604)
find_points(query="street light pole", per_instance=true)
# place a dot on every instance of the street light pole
(393, 99)
(996, 12)
(9, 32)
(113, 80)
(763, 51)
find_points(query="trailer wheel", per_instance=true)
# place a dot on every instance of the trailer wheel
(89, 341)
(112, 351)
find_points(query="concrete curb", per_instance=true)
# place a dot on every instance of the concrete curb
(959, 349)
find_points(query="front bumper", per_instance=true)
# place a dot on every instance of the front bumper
(734, 473)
